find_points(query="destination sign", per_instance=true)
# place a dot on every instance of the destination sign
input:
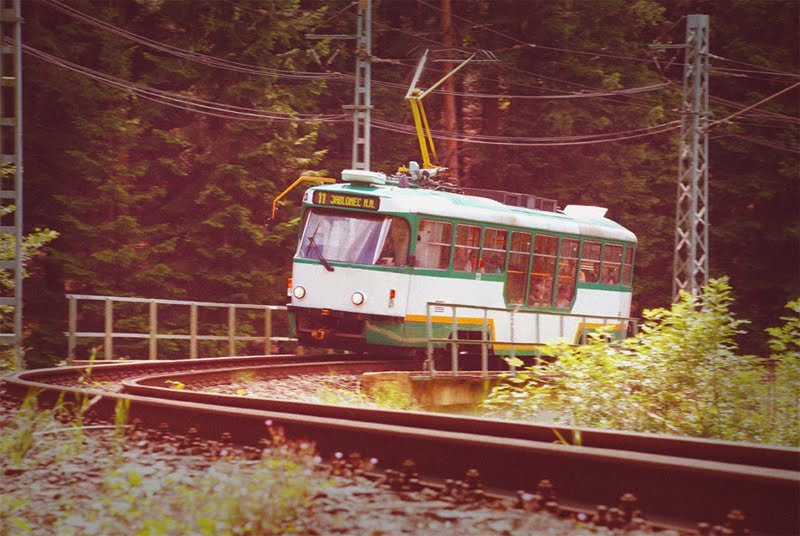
(335, 199)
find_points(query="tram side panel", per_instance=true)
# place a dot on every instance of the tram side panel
(449, 290)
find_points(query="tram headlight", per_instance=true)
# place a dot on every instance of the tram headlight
(299, 292)
(357, 298)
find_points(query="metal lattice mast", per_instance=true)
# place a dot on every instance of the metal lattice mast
(11, 150)
(362, 100)
(690, 270)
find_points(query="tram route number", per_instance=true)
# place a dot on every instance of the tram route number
(346, 200)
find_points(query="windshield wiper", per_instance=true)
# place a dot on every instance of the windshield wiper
(318, 251)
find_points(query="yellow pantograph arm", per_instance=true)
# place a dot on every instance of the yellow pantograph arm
(420, 120)
(419, 116)
(428, 133)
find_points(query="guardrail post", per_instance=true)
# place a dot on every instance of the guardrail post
(193, 331)
(73, 327)
(108, 347)
(268, 331)
(429, 343)
(153, 353)
(231, 330)
(484, 347)
(584, 330)
(454, 343)
(513, 351)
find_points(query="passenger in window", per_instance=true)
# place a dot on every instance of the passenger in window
(539, 296)
(472, 262)
(460, 260)
(564, 299)
(494, 265)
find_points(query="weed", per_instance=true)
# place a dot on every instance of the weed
(174, 384)
(18, 440)
(10, 512)
(387, 395)
(243, 376)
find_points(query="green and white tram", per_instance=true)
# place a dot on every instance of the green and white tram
(374, 251)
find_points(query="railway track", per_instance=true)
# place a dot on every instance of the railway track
(677, 482)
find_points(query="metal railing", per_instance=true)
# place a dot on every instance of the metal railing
(485, 342)
(153, 336)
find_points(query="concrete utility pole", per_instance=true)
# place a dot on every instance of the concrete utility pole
(363, 80)
(690, 269)
(11, 149)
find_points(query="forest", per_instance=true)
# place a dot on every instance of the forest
(158, 132)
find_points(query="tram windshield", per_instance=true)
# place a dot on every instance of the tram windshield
(355, 238)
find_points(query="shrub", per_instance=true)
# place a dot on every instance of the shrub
(681, 374)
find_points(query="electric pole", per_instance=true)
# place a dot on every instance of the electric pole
(11, 157)
(690, 269)
(362, 104)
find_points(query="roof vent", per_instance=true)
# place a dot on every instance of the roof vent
(362, 176)
(585, 211)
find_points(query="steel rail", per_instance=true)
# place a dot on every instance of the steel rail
(759, 455)
(668, 487)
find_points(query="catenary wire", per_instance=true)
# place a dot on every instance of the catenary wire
(252, 69)
(251, 114)
(182, 101)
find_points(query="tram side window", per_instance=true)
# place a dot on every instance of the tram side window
(590, 261)
(567, 271)
(495, 243)
(395, 244)
(545, 254)
(627, 271)
(468, 248)
(433, 244)
(612, 264)
(518, 261)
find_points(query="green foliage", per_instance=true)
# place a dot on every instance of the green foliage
(11, 522)
(267, 497)
(386, 395)
(783, 411)
(16, 441)
(682, 374)
(231, 496)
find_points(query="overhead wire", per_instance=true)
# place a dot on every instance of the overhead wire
(228, 111)
(182, 101)
(755, 105)
(758, 68)
(765, 143)
(256, 70)
(765, 114)
(186, 54)
(546, 141)
(534, 45)
(252, 114)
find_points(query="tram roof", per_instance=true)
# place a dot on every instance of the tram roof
(425, 202)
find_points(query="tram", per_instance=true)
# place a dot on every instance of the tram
(381, 260)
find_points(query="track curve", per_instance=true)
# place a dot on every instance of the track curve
(677, 481)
